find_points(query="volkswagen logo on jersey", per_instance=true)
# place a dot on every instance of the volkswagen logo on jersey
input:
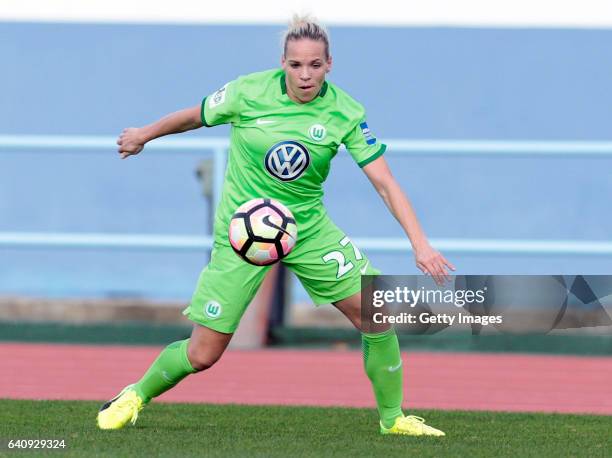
(287, 160)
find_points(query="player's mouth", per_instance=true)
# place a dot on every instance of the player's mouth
(306, 88)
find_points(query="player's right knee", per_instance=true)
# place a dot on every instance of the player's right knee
(201, 358)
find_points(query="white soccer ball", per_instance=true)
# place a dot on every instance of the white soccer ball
(262, 231)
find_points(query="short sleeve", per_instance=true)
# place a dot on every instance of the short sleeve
(222, 106)
(362, 145)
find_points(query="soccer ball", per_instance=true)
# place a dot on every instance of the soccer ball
(262, 231)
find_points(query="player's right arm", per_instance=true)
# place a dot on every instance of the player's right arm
(221, 107)
(133, 139)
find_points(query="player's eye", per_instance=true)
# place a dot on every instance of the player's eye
(294, 65)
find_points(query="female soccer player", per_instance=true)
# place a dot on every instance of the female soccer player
(287, 125)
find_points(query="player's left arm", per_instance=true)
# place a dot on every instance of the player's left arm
(429, 260)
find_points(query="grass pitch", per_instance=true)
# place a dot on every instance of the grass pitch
(267, 431)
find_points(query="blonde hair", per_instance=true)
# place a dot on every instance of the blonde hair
(305, 27)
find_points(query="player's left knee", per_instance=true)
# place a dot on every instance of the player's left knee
(351, 308)
(355, 318)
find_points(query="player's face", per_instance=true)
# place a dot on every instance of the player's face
(305, 65)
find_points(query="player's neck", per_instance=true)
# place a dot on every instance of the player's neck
(293, 97)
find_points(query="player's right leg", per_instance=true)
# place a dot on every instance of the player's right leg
(226, 286)
(174, 363)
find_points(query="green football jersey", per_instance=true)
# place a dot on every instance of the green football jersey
(282, 149)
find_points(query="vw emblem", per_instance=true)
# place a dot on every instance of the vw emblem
(287, 160)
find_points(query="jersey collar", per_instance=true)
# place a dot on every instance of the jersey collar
(283, 85)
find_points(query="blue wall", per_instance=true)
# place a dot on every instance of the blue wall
(440, 83)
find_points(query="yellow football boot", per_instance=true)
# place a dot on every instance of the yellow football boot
(411, 426)
(117, 412)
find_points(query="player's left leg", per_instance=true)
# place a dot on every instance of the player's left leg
(383, 365)
(330, 267)
(382, 362)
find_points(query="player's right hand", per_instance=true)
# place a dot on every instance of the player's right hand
(131, 142)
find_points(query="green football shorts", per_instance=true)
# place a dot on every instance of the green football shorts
(327, 264)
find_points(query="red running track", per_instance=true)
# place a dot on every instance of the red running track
(467, 381)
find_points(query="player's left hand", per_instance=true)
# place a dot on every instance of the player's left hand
(431, 262)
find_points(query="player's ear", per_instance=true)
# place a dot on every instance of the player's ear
(283, 61)
(329, 64)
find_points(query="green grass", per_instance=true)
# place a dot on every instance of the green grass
(211, 430)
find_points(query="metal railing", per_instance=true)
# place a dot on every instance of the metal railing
(219, 146)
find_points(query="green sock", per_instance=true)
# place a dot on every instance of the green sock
(170, 367)
(382, 362)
